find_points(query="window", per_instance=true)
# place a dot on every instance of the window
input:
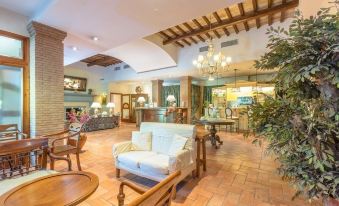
(14, 80)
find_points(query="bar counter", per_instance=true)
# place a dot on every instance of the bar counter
(161, 114)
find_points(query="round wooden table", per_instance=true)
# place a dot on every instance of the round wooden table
(69, 188)
(213, 137)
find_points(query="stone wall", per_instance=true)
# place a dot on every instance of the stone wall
(46, 79)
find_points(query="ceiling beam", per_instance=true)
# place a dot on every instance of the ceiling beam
(176, 35)
(104, 60)
(270, 16)
(184, 32)
(208, 25)
(226, 31)
(255, 9)
(242, 13)
(229, 15)
(216, 33)
(199, 26)
(168, 37)
(237, 20)
(282, 14)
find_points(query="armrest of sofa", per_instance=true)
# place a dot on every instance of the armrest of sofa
(121, 147)
(180, 160)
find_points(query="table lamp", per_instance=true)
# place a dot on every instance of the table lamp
(171, 99)
(111, 106)
(141, 101)
(96, 106)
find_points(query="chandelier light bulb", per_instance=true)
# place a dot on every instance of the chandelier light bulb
(223, 64)
(195, 62)
(216, 57)
(228, 59)
(210, 78)
(200, 58)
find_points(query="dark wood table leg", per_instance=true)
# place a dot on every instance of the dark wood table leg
(198, 160)
(204, 154)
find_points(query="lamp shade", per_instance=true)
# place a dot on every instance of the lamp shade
(141, 100)
(171, 98)
(96, 105)
(110, 105)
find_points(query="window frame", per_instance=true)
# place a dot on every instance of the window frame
(24, 65)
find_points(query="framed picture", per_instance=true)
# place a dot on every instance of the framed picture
(75, 83)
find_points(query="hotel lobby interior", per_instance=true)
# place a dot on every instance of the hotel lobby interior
(194, 103)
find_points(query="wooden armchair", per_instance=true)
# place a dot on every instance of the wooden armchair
(66, 143)
(10, 132)
(160, 194)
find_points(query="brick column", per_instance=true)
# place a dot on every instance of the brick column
(186, 95)
(46, 79)
(156, 91)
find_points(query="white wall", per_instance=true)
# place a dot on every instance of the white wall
(93, 74)
(13, 22)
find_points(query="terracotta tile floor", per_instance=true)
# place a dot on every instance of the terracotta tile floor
(238, 173)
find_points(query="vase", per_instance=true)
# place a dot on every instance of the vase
(330, 201)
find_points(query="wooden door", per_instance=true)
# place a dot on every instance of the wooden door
(126, 108)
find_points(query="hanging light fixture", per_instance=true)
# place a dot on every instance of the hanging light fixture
(212, 64)
(256, 88)
(235, 89)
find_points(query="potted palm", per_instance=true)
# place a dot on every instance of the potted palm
(301, 124)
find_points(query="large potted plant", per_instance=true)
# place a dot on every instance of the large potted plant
(301, 124)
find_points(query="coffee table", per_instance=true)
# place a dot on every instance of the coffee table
(69, 188)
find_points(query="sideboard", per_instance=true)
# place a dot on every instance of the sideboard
(99, 123)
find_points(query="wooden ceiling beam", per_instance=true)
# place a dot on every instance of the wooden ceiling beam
(255, 9)
(229, 15)
(184, 32)
(226, 31)
(236, 20)
(216, 33)
(217, 17)
(270, 16)
(199, 26)
(282, 14)
(242, 13)
(103, 61)
(168, 37)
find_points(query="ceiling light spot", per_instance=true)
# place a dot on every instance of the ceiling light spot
(74, 48)
(156, 9)
(95, 38)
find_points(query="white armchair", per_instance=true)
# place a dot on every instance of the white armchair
(158, 162)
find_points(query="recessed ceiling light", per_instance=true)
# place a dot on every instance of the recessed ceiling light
(95, 38)
(74, 48)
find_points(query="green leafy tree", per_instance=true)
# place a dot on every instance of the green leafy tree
(301, 124)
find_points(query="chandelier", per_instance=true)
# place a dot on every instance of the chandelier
(212, 64)
(235, 89)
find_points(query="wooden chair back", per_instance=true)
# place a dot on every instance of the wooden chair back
(22, 156)
(159, 195)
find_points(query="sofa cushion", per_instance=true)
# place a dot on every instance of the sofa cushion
(132, 159)
(162, 134)
(8, 184)
(141, 141)
(157, 164)
(177, 144)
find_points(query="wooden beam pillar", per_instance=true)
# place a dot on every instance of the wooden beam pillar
(156, 91)
(186, 95)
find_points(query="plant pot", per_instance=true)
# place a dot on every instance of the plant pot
(330, 202)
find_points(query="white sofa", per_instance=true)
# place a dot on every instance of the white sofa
(156, 164)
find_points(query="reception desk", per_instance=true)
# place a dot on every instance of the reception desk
(161, 114)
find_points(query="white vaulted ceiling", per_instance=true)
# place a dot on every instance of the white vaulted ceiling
(119, 24)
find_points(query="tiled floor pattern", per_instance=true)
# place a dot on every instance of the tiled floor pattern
(238, 173)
